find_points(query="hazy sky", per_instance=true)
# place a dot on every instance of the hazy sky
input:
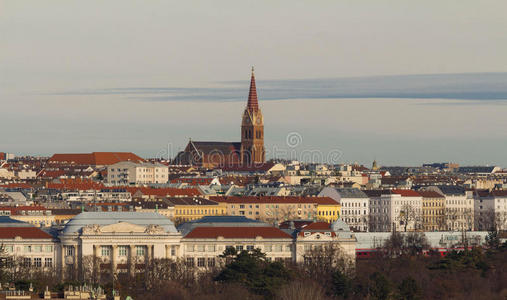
(138, 75)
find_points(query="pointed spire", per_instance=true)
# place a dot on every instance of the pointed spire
(253, 103)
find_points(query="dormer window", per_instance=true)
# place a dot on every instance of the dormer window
(307, 233)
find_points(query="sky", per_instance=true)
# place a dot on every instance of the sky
(403, 82)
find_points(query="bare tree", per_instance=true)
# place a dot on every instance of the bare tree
(409, 214)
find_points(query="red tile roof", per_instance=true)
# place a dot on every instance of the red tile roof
(237, 232)
(498, 193)
(317, 226)
(17, 185)
(430, 194)
(274, 199)
(24, 232)
(163, 192)
(94, 158)
(406, 193)
(16, 210)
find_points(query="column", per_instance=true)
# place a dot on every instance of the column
(114, 255)
(132, 260)
(62, 254)
(96, 262)
(167, 251)
(76, 266)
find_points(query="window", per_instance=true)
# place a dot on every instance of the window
(140, 250)
(173, 250)
(27, 261)
(200, 248)
(37, 248)
(268, 248)
(190, 262)
(48, 262)
(48, 248)
(239, 247)
(190, 248)
(9, 249)
(69, 250)
(211, 262)
(249, 247)
(201, 262)
(105, 251)
(122, 250)
(37, 262)
(211, 248)
(28, 249)
(277, 248)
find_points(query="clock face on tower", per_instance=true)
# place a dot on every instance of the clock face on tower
(259, 120)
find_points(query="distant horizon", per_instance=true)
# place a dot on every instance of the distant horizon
(76, 79)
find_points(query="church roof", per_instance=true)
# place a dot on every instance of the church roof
(253, 103)
(216, 147)
(107, 218)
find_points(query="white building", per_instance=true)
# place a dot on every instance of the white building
(27, 244)
(490, 210)
(459, 207)
(130, 173)
(355, 208)
(122, 241)
(401, 208)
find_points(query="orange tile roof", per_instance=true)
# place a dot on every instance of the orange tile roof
(274, 199)
(24, 232)
(163, 192)
(236, 232)
(94, 158)
(430, 194)
(406, 193)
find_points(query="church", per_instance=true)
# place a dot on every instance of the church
(247, 153)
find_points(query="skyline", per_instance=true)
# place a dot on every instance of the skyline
(73, 79)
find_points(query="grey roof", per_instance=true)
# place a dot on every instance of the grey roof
(6, 221)
(351, 193)
(220, 221)
(106, 218)
(452, 190)
(341, 229)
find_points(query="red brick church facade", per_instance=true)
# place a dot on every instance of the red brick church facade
(247, 153)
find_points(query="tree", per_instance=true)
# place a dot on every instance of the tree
(252, 270)
(408, 289)
(409, 215)
(379, 287)
(415, 243)
(493, 239)
(342, 284)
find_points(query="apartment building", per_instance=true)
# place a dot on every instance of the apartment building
(277, 209)
(459, 207)
(355, 208)
(131, 173)
(490, 209)
(433, 210)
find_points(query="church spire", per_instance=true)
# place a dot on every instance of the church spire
(253, 103)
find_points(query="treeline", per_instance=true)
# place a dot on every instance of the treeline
(402, 269)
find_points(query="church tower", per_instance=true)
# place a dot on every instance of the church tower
(252, 129)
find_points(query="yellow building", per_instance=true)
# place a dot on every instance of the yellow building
(275, 209)
(433, 210)
(63, 215)
(192, 208)
(36, 215)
